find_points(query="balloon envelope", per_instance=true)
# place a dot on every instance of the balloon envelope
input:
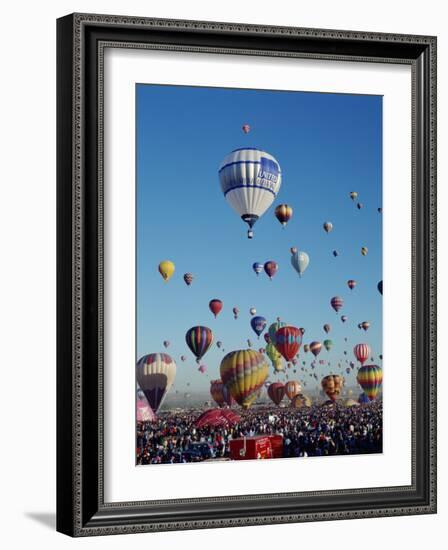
(199, 339)
(250, 180)
(155, 375)
(300, 261)
(244, 372)
(276, 392)
(370, 378)
(166, 269)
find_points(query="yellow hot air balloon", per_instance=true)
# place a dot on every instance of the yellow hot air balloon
(243, 373)
(274, 356)
(166, 269)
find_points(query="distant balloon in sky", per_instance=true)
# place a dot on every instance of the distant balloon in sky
(235, 311)
(166, 269)
(293, 250)
(199, 339)
(315, 348)
(351, 284)
(183, 358)
(353, 195)
(344, 318)
(215, 306)
(380, 287)
(328, 226)
(327, 328)
(300, 261)
(380, 210)
(245, 128)
(365, 325)
(257, 267)
(359, 205)
(166, 343)
(283, 213)
(252, 311)
(336, 303)
(188, 278)
(361, 352)
(335, 253)
(250, 181)
(270, 268)
(258, 324)
(364, 250)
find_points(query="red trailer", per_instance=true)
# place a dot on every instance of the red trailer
(259, 446)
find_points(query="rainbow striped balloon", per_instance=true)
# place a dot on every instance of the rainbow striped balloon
(199, 339)
(243, 373)
(370, 378)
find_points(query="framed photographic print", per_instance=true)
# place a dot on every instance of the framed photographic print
(230, 200)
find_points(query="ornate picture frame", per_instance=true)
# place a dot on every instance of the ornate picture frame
(81, 42)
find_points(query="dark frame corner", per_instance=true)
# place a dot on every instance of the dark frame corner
(81, 510)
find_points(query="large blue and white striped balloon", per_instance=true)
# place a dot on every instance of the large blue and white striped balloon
(250, 180)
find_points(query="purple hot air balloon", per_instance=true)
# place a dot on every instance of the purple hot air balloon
(270, 268)
(336, 303)
(258, 324)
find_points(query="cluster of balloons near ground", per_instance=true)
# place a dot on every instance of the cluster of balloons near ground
(244, 372)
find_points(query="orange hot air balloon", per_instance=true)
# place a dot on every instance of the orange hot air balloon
(292, 388)
(332, 385)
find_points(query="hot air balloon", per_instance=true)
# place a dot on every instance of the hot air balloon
(235, 311)
(359, 205)
(364, 250)
(266, 337)
(215, 306)
(300, 261)
(216, 387)
(243, 373)
(332, 385)
(228, 399)
(380, 287)
(293, 249)
(183, 358)
(257, 267)
(245, 128)
(283, 213)
(336, 303)
(272, 330)
(365, 325)
(219, 344)
(328, 226)
(252, 311)
(274, 356)
(292, 388)
(344, 318)
(302, 330)
(327, 328)
(315, 348)
(155, 374)
(202, 369)
(380, 210)
(217, 418)
(328, 344)
(370, 378)
(335, 253)
(250, 180)
(306, 348)
(249, 342)
(270, 268)
(258, 324)
(166, 343)
(353, 195)
(288, 340)
(199, 339)
(351, 284)
(166, 269)
(300, 400)
(188, 278)
(361, 352)
(276, 392)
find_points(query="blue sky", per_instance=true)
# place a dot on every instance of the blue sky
(327, 145)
